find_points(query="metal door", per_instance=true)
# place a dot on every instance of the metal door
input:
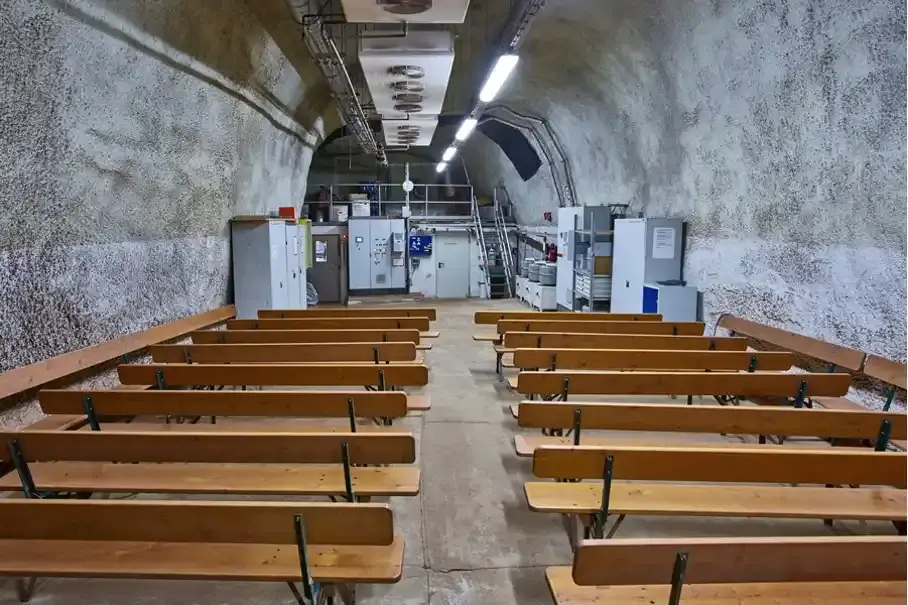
(327, 270)
(452, 262)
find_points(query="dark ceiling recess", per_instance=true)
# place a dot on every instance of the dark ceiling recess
(514, 145)
(511, 141)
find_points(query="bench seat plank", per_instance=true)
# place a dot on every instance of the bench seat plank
(650, 359)
(249, 426)
(486, 337)
(763, 384)
(493, 317)
(182, 374)
(679, 328)
(632, 498)
(525, 445)
(194, 478)
(195, 561)
(565, 592)
(331, 323)
(561, 340)
(313, 312)
(284, 352)
(211, 337)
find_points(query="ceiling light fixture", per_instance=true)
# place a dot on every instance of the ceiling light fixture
(440, 167)
(449, 154)
(500, 73)
(466, 128)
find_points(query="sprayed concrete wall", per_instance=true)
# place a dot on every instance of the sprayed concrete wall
(776, 129)
(130, 133)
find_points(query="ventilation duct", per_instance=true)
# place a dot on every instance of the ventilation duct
(413, 72)
(416, 131)
(414, 11)
(408, 107)
(408, 97)
(407, 86)
(405, 7)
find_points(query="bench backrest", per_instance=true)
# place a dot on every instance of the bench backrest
(844, 357)
(284, 353)
(493, 317)
(426, 312)
(558, 340)
(741, 560)
(183, 375)
(308, 404)
(724, 465)
(193, 521)
(302, 336)
(886, 370)
(679, 328)
(656, 359)
(332, 323)
(756, 384)
(238, 447)
(787, 422)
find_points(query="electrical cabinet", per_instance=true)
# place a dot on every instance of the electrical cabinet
(377, 253)
(644, 250)
(675, 303)
(269, 265)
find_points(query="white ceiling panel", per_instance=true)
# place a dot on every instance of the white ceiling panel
(408, 76)
(383, 11)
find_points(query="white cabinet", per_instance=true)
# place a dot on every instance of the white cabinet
(569, 219)
(644, 250)
(269, 265)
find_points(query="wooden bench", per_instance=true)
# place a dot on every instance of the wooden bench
(686, 465)
(157, 462)
(637, 359)
(343, 544)
(336, 323)
(210, 337)
(789, 387)
(555, 340)
(109, 406)
(554, 418)
(285, 352)
(380, 376)
(678, 328)
(315, 312)
(741, 571)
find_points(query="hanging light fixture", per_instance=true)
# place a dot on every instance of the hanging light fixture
(466, 128)
(449, 154)
(440, 167)
(500, 73)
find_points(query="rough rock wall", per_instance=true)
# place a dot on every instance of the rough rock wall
(130, 133)
(776, 128)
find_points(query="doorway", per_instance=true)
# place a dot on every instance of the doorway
(329, 269)
(452, 265)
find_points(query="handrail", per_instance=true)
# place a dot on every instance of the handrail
(504, 244)
(41, 373)
(483, 253)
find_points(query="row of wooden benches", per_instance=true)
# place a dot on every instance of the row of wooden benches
(106, 447)
(675, 473)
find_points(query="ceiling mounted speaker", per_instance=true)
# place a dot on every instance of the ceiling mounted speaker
(407, 86)
(414, 72)
(408, 107)
(407, 97)
(405, 7)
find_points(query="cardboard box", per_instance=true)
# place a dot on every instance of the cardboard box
(602, 265)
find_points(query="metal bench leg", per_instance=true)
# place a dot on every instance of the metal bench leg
(25, 589)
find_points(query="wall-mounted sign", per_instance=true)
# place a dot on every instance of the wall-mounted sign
(420, 245)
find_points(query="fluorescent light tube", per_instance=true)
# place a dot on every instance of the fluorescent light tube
(465, 129)
(500, 73)
(449, 154)
(440, 167)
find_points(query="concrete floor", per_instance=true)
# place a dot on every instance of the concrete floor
(471, 540)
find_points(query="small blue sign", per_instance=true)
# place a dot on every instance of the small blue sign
(420, 245)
